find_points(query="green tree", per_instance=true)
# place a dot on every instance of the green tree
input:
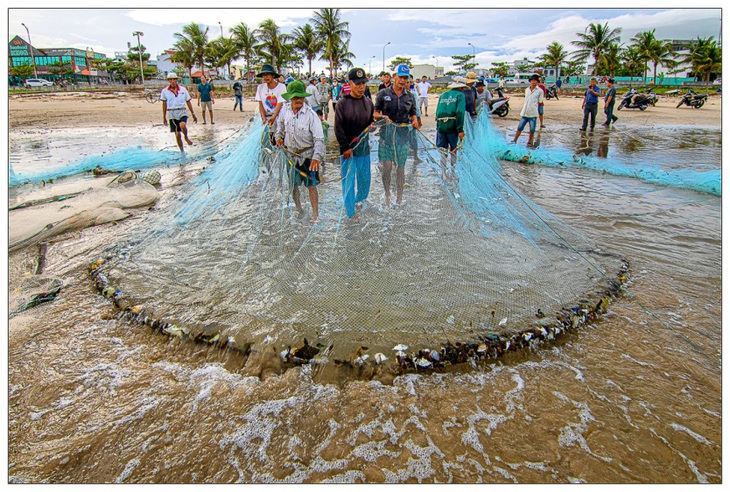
(24, 70)
(193, 41)
(245, 40)
(464, 62)
(574, 68)
(221, 52)
(633, 62)
(398, 60)
(341, 56)
(184, 55)
(271, 41)
(500, 69)
(594, 42)
(555, 56)
(335, 33)
(652, 49)
(706, 58)
(308, 43)
(611, 59)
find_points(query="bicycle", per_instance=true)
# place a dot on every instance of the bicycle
(151, 96)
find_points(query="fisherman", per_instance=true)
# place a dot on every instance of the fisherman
(299, 133)
(353, 116)
(268, 94)
(484, 97)
(533, 97)
(450, 115)
(397, 106)
(385, 81)
(174, 98)
(470, 94)
(324, 96)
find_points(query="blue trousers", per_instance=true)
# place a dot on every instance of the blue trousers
(239, 103)
(355, 170)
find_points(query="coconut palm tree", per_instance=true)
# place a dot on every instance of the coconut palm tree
(184, 55)
(341, 56)
(334, 31)
(194, 40)
(612, 59)
(594, 42)
(271, 41)
(308, 42)
(221, 52)
(555, 56)
(705, 57)
(633, 61)
(653, 50)
(245, 41)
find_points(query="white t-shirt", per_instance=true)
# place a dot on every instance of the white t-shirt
(176, 104)
(270, 97)
(532, 99)
(311, 99)
(423, 88)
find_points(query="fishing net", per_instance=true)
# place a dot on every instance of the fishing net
(466, 257)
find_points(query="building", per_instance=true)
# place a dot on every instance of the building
(56, 63)
(430, 71)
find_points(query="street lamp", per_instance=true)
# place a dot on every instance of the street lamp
(139, 49)
(224, 68)
(437, 65)
(473, 52)
(386, 44)
(30, 49)
(370, 65)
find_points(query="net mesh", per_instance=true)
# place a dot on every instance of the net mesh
(465, 255)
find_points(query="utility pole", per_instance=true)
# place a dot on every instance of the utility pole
(139, 49)
(30, 49)
(370, 65)
(386, 44)
(473, 53)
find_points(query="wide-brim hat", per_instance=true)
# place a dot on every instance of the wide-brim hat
(471, 77)
(295, 89)
(172, 75)
(267, 69)
(456, 85)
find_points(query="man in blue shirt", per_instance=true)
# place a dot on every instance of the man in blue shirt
(590, 104)
(205, 96)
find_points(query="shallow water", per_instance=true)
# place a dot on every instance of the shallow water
(635, 397)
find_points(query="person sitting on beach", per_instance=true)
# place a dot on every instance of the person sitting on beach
(174, 97)
(450, 115)
(299, 132)
(533, 97)
(397, 106)
(353, 116)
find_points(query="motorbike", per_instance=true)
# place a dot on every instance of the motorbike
(633, 99)
(500, 105)
(693, 100)
(552, 92)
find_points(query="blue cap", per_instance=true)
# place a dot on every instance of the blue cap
(402, 70)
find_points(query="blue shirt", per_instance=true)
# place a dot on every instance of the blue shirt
(592, 98)
(205, 91)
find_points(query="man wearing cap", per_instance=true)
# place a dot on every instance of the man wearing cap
(299, 132)
(470, 94)
(312, 98)
(385, 81)
(533, 97)
(423, 88)
(174, 99)
(450, 114)
(397, 106)
(207, 97)
(483, 95)
(268, 94)
(353, 116)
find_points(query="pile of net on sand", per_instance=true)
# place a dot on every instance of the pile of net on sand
(467, 267)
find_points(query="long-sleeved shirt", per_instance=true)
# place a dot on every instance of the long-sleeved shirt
(301, 131)
(450, 112)
(352, 117)
(533, 97)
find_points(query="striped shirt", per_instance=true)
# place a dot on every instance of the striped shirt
(302, 132)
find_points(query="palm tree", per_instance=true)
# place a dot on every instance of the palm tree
(341, 56)
(653, 49)
(307, 41)
(555, 56)
(194, 40)
(245, 41)
(612, 59)
(705, 57)
(594, 42)
(221, 52)
(271, 42)
(633, 60)
(184, 55)
(334, 31)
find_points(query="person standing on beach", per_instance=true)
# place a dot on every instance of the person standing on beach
(541, 106)
(608, 102)
(385, 81)
(353, 117)
(450, 114)
(423, 88)
(533, 97)
(590, 104)
(336, 89)
(397, 106)
(324, 96)
(268, 95)
(299, 131)
(484, 97)
(238, 94)
(174, 99)
(470, 94)
(207, 97)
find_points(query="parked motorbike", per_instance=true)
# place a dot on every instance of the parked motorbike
(552, 92)
(632, 99)
(693, 100)
(500, 105)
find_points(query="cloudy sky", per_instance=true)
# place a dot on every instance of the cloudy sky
(425, 35)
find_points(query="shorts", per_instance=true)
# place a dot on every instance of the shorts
(540, 109)
(395, 144)
(175, 124)
(448, 141)
(206, 105)
(295, 166)
(524, 121)
(324, 107)
(423, 100)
